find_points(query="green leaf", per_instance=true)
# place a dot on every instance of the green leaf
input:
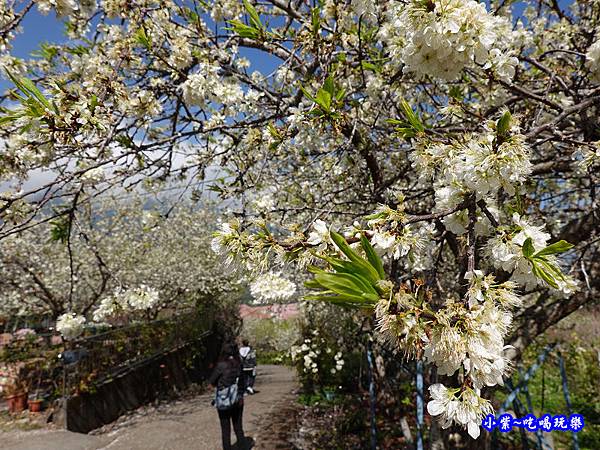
(552, 269)
(340, 300)
(307, 94)
(341, 243)
(273, 131)
(358, 282)
(11, 118)
(323, 99)
(61, 229)
(142, 38)
(93, 103)
(316, 270)
(191, 15)
(503, 124)
(329, 86)
(254, 17)
(456, 93)
(313, 284)
(378, 215)
(357, 269)
(316, 20)
(243, 30)
(373, 298)
(557, 247)
(411, 117)
(370, 66)
(27, 87)
(46, 51)
(78, 50)
(528, 249)
(124, 140)
(339, 282)
(372, 256)
(541, 273)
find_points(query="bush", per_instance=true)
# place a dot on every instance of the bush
(271, 338)
(547, 395)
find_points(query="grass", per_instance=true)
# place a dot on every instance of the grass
(20, 422)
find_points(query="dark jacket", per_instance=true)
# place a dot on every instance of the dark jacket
(248, 358)
(225, 373)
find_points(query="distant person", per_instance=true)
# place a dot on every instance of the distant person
(228, 378)
(248, 357)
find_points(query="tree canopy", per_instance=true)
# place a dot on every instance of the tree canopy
(452, 143)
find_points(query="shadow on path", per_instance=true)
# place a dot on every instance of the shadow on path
(179, 425)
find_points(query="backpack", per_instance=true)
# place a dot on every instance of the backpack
(227, 397)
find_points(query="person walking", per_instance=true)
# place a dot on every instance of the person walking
(248, 358)
(227, 378)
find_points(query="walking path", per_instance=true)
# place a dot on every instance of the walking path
(179, 425)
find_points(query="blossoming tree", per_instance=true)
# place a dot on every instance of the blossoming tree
(430, 161)
(124, 260)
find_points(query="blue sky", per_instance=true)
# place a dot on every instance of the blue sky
(38, 28)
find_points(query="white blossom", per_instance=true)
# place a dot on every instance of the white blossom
(206, 86)
(440, 38)
(502, 63)
(539, 238)
(139, 299)
(593, 60)
(466, 409)
(320, 233)
(383, 240)
(107, 309)
(70, 325)
(271, 287)
(93, 176)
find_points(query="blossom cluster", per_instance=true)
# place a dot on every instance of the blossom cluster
(319, 236)
(272, 287)
(309, 355)
(70, 325)
(206, 86)
(481, 163)
(465, 407)
(477, 346)
(339, 363)
(122, 302)
(593, 60)
(459, 337)
(7, 15)
(315, 355)
(390, 236)
(441, 38)
(470, 338)
(506, 252)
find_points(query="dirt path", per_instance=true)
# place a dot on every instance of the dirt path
(179, 425)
